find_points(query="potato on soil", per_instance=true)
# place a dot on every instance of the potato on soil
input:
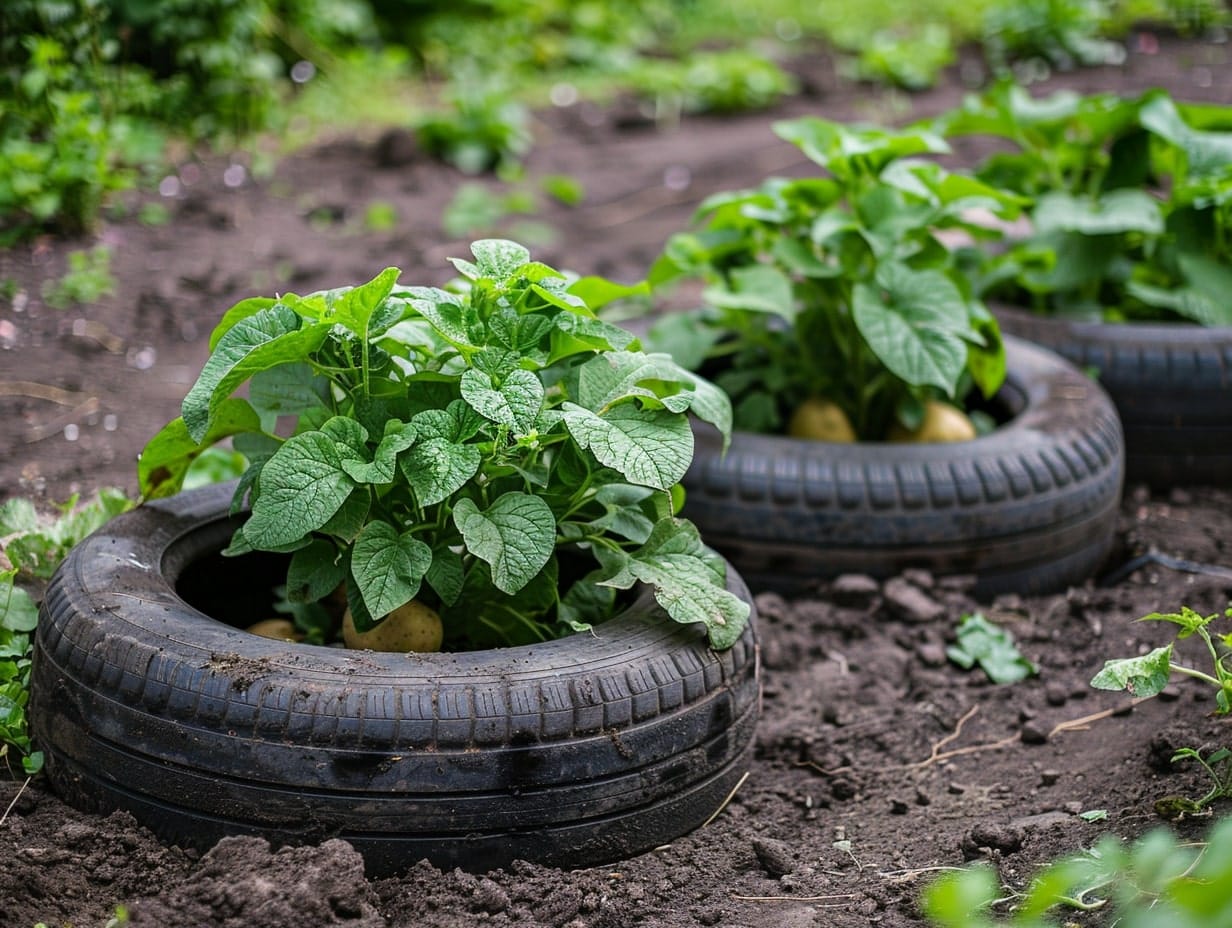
(410, 627)
(941, 422)
(278, 629)
(820, 420)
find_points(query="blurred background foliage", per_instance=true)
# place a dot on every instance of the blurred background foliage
(96, 95)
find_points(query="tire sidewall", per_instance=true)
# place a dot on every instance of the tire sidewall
(816, 509)
(1171, 383)
(142, 702)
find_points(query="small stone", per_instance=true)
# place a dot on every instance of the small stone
(957, 583)
(922, 798)
(930, 654)
(773, 655)
(842, 789)
(988, 837)
(919, 577)
(1033, 733)
(1179, 497)
(1170, 693)
(955, 789)
(1008, 602)
(1073, 807)
(771, 606)
(1057, 694)
(396, 148)
(489, 897)
(1049, 777)
(911, 603)
(853, 590)
(774, 856)
(898, 807)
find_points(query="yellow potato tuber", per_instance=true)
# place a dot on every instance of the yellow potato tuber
(941, 422)
(820, 420)
(410, 627)
(278, 629)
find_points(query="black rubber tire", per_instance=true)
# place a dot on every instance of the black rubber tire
(1029, 508)
(582, 750)
(1171, 383)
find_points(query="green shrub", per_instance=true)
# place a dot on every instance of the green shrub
(1064, 33)
(484, 129)
(712, 82)
(57, 145)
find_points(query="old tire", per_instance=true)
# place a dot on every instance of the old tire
(1028, 508)
(1171, 383)
(581, 750)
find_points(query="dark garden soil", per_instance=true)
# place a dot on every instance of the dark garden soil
(878, 762)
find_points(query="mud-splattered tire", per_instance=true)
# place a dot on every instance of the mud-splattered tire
(1030, 507)
(1172, 385)
(582, 750)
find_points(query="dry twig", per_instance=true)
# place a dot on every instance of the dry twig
(1082, 723)
(5, 817)
(727, 799)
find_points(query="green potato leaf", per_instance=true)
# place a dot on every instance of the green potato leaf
(388, 567)
(651, 447)
(515, 536)
(495, 259)
(286, 390)
(912, 321)
(437, 468)
(381, 469)
(356, 308)
(515, 403)
(276, 335)
(688, 580)
(1113, 212)
(301, 487)
(167, 456)
(315, 572)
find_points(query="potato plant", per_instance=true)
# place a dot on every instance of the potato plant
(1130, 202)
(836, 291)
(493, 453)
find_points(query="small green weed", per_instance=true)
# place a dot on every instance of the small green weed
(478, 209)
(31, 547)
(380, 217)
(484, 129)
(1147, 675)
(992, 648)
(153, 214)
(1157, 882)
(712, 82)
(87, 280)
(911, 61)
